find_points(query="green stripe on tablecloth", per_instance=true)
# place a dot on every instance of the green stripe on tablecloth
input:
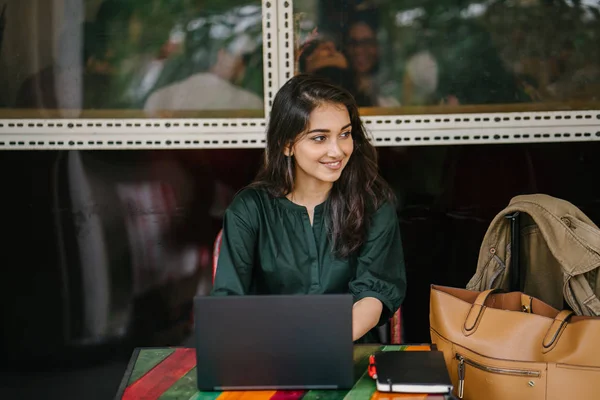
(397, 347)
(363, 389)
(148, 359)
(325, 395)
(205, 396)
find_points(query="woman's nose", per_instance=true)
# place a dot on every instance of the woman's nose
(334, 150)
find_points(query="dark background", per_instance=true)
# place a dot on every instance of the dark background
(53, 285)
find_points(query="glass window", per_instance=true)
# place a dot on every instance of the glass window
(437, 56)
(131, 58)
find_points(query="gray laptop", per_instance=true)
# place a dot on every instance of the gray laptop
(274, 342)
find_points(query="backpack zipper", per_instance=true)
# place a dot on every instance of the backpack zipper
(494, 370)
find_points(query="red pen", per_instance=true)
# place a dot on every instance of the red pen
(371, 369)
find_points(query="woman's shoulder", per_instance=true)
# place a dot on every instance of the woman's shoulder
(249, 199)
(385, 213)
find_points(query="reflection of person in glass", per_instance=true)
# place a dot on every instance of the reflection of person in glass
(216, 89)
(321, 57)
(319, 218)
(56, 85)
(363, 54)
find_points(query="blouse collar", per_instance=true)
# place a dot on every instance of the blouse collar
(290, 205)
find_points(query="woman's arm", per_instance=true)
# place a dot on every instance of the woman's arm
(380, 282)
(236, 257)
(365, 316)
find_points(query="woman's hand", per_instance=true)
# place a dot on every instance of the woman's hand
(365, 315)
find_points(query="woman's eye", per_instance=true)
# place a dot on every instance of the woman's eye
(346, 134)
(318, 138)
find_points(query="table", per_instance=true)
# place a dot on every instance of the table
(170, 373)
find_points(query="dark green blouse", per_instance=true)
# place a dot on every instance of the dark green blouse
(270, 247)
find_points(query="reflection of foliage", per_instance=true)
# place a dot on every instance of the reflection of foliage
(237, 30)
(486, 51)
(129, 34)
(154, 20)
(556, 48)
(482, 44)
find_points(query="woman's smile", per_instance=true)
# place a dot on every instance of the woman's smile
(334, 165)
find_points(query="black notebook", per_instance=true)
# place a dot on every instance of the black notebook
(412, 372)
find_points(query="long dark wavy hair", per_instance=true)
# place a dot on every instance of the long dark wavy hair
(357, 193)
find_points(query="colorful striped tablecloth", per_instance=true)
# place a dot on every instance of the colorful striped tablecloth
(170, 374)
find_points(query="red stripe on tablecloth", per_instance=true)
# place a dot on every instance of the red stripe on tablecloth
(160, 378)
(288, 395)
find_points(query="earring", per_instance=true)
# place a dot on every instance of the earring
(289, 170)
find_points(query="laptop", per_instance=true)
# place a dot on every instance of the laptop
(275, 342)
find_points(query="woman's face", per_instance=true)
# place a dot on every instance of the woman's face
(322, 153)
(363, 50)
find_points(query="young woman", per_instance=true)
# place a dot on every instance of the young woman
(318, 218)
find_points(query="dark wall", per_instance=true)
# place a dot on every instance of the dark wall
(451, 194)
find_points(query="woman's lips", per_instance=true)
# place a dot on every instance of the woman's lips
(335, 165)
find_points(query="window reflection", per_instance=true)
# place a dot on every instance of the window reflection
(489, 55)
(168, 58)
